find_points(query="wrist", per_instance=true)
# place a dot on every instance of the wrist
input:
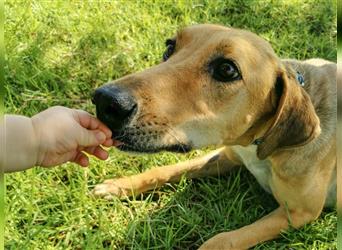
(36, 141)
(22, 144)
(37, 136)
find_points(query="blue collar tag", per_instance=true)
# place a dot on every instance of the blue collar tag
(300, 79)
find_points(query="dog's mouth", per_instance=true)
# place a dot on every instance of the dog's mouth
(145, 138)
(125, 144)
(176, 148)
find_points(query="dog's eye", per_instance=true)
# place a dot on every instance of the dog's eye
(169, 50)
(171, 45)
(224, 70)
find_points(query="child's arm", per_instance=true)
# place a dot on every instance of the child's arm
(52, 137)
(20, 143)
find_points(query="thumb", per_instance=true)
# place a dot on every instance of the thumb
(91, 137)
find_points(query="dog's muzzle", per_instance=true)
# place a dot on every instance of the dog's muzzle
(115, 106)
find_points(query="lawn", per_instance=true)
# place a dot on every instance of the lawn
(58, 52)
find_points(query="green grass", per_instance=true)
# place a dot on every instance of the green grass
(59, 51)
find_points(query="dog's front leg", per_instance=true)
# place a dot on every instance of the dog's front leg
(301, 200)
(214, 163)
(267, 228)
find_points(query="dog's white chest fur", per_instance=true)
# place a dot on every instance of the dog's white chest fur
(261, 169)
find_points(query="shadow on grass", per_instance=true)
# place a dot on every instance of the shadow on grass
(200, 209)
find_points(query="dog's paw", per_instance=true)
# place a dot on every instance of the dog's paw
(114, 188)
(222, 241)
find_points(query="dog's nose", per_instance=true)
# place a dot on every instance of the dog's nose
(114, 106)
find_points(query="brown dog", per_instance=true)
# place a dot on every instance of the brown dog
(226, 87)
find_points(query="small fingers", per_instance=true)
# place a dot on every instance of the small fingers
(98, 152)
(101, 153)
(88, 121)
(81, 159)
(108, 143)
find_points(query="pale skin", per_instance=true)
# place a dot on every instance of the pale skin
(52, 137)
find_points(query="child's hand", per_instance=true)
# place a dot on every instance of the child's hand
(62, 134)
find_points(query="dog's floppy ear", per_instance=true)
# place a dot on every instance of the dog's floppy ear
(295, 122)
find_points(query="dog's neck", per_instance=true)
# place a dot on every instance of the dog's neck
(259, 137)
(257, 131)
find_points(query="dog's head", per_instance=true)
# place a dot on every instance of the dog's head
(216, 86)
